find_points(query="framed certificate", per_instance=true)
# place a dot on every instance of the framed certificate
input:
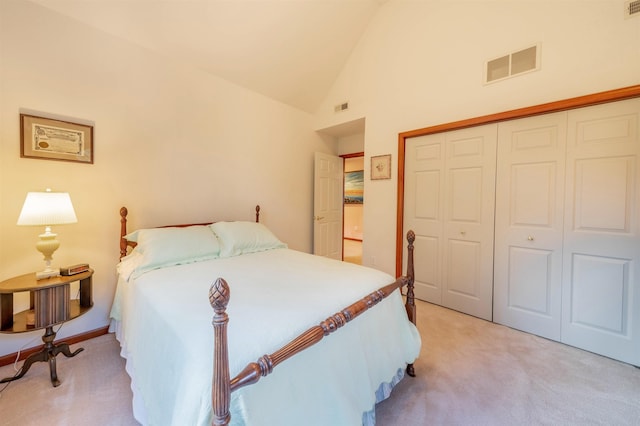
(51, 139)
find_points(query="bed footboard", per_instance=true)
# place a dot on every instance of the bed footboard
(219, 295)
(410, 303)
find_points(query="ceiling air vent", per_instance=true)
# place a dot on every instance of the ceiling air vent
(632, 8)
(345, 105)
(512, 64)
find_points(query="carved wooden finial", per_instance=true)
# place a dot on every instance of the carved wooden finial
(411, 236)
(219, 295)
(257, 213)
(123, 231)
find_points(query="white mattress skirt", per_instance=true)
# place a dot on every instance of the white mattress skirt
(139, 413)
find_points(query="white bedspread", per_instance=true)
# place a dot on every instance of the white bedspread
(166, 335)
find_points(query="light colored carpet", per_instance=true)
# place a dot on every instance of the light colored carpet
(470, 372)
(473, 372)
(95, 390)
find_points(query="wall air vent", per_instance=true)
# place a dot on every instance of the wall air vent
(345, 105)
(631, 8)
(522, 61)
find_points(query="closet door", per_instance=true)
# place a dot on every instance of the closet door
(601, 280)
(449, 204)
(469, 206)
(424, 189)
(529, 223)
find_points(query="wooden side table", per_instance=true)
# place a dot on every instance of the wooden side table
(51, 304)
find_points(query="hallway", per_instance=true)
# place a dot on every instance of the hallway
(352, 251)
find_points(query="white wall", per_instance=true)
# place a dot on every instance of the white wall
(171, 143)
(351, 144)
(420, 63)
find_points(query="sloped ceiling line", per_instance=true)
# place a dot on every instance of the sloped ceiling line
(289, 50)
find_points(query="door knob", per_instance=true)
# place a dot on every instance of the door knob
(530, 238)
(319, 217)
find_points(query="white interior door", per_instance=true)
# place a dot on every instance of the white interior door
(601, 280)
(529, 224)
(327, 205)
(424, 188)
(449, 204)
(469, 208)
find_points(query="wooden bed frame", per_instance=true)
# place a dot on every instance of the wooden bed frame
(219, 294)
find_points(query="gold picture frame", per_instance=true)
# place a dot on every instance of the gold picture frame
(381, 167)
(52, 139)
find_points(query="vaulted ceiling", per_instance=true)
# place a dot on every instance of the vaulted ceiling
(289, 50)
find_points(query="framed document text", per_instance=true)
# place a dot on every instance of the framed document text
(51, 139)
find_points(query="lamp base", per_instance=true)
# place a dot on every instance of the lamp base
(47, 274)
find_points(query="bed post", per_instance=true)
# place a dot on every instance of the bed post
(410, 305)
(219, 294)
(257, 213)
(123, 231)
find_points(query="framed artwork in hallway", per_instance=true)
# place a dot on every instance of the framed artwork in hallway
(354, 187)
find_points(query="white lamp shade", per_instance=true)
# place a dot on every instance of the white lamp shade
(47, 208)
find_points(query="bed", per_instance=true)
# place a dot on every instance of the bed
(333, 363)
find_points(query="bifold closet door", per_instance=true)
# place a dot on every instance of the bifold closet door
(424, 190)
(449, 203)
(601, 280)
(529, 224)
(469, 208)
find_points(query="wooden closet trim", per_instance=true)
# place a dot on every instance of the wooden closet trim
(563, 105)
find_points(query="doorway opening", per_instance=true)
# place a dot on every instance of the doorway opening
(349, 137)
(352, 231)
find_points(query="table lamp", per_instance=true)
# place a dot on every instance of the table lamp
(47, 208)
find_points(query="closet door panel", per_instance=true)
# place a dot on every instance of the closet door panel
(469, 206)
(603, 189)
(529, 222)
(463, 270)
(465, 195)
(427, 269)
(532, 195)
(424, 183)
(530, 291)
(601, 283)
(600, 293)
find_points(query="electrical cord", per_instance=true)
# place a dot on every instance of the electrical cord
(15, 363)
(9, 382)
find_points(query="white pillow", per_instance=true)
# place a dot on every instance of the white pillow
(133, 236)
(238, 238)
(175, 246)
(129, 264)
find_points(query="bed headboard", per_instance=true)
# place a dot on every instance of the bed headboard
(126, 244)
